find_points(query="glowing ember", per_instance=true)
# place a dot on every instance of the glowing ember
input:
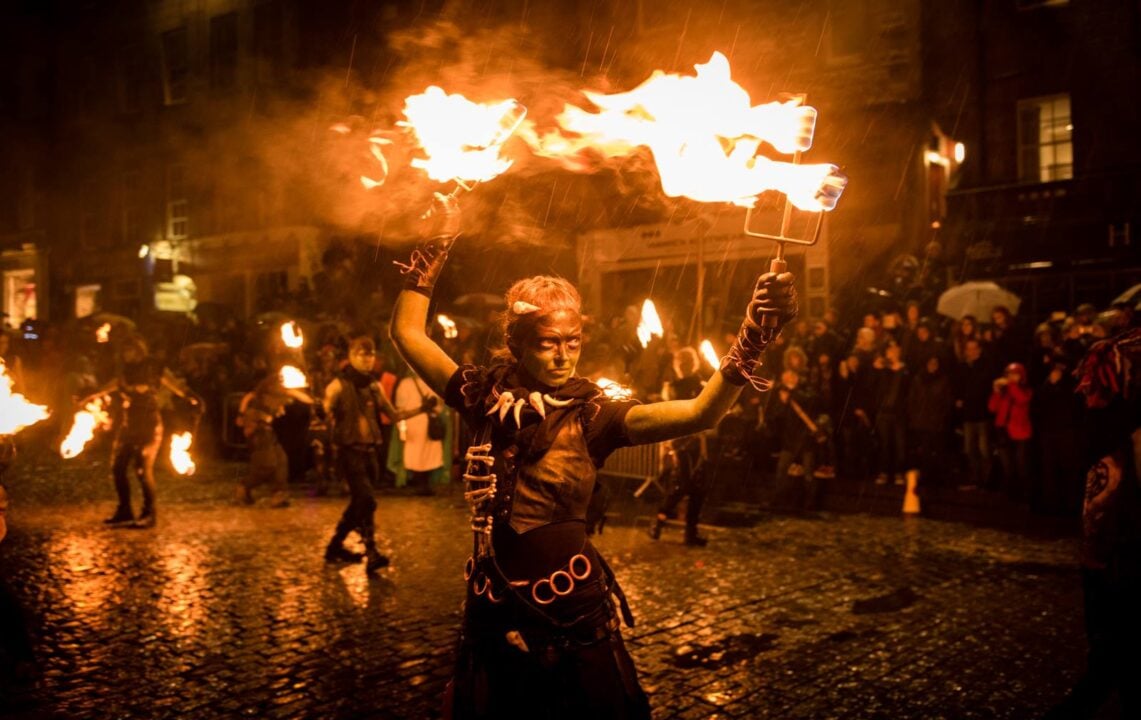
(461, 139)
(709, 354)
(448, 325)
(292, 378)
(291, 335)
(705, 136)
(651, 325)
(16, 413)
(180, 458)
(614, 390)
(83, 427)
(103, 333)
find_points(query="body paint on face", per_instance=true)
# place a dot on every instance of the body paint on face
(550, 352)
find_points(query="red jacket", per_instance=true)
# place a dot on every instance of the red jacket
(1011, 407)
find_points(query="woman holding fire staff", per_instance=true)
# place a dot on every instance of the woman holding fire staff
(541, 636)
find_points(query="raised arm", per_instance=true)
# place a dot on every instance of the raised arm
(774, 295)
(410, 315)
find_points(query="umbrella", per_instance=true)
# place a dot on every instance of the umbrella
(978, 298)
(1132, 296)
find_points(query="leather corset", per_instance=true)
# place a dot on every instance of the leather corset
(356, 415)
(555, 488)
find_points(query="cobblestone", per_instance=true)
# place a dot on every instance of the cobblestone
(225, 611)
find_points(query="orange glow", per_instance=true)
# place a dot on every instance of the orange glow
(705, 135)
(103, 333)
(709, 354)
(16, 413)
(448, 325)
(291, 335)
(91, 418)
(461, 140)
(180, 458)
(293, 378)
(650, 325)
(614, 390)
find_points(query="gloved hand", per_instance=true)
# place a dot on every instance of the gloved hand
(427, 261)
(773, 297)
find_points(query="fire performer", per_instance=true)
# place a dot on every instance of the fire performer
(541, 634)
(353, 402)
(137, 427)
(268, 462)
(686, 457)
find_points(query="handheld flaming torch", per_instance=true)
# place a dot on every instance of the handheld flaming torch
(709, 354)
(291, 335)
(16, 413)
(448, 325)
(180, 458)
(91, 418)
(292, 378)
(650, 326)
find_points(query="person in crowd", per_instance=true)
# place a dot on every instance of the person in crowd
(17, 660)
(422, 434)
(1055, 411)
(922, 344)
(353, 403)
(268, 461)
(930, 405)
(973, 384)
(891, 379)
(825, 340)
(856, 401)
(1045, 354)
(686, 457)
(790, 414)
(796, 360)
(866, 347)
(801, 335)
(1005, 344)
(1010, 404)
(137, 427)
(540, 631)
(966, 330)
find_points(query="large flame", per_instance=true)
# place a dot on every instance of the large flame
(705, 135)
(180, 458)
(293, 378)
(16, 413)
(449, 326)
(291, 335)
(92, 417)
(709, 354)
(650, 325)
(462, 140)
(613, 389)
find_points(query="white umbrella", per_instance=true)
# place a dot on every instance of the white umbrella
(1132, 296)
(978, 298)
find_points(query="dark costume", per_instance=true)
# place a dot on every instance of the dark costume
(355, 416)
(138, 435)
(268, 462)
(541, 633)
(686, 475)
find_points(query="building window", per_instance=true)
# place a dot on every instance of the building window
(175, 65)
(1045, 139)
(20, 296)
(86, 300)
(177, 203)
(223, 51)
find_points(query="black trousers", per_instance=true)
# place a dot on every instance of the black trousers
(360, 467)
(142, 455)
(688, 481)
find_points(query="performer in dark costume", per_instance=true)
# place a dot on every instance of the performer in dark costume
(137, 428)
(540, 635)
(353, 402)
(269, 463)
(686, 456)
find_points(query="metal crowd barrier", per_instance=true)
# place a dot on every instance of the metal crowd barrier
(641, 462)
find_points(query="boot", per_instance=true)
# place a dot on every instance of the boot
(122, 516)
(656, 527)
(375, 561)
(338, 553)
(146, 518)
(692, 538)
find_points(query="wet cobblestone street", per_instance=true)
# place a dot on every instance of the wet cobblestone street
(226, 611)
